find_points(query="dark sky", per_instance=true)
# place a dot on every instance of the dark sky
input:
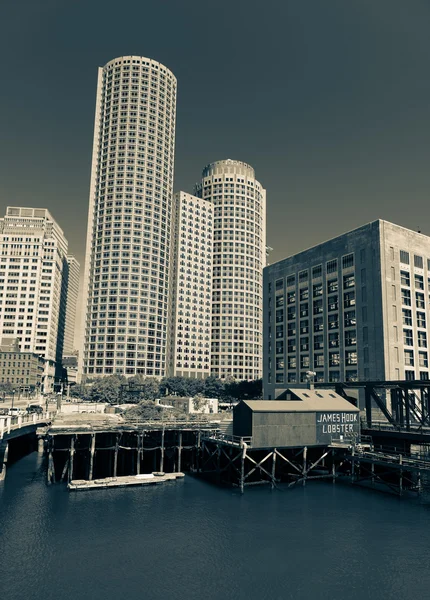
(327, 99)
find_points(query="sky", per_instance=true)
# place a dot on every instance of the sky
(328, 100)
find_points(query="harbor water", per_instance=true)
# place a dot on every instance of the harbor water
(189, 540)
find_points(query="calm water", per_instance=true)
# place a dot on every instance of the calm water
(189, 540)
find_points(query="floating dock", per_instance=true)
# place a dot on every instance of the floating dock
(78, 485)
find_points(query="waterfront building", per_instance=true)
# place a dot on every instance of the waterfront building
(353, 308)
(191, 287)
(239, 250)
(128, 237)
(72, 272)
(23, 370)
(33, 285)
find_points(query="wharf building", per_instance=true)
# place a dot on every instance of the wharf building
(239, 254)
(33, 285)
(191, 287)
(353, 308)
(128, 239)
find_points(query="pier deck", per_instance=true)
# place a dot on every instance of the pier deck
(126, 481)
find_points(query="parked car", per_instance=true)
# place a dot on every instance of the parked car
(34, 409)
(4, 412)
(16, 412)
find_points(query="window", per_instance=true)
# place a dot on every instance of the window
(318, 342)
(409, 358)
(318, 324)
(279, 315)
(406, 297)
(317, 271)
(349, 318)
(333, 321)
(405, 278)
(404, 257)
(318, 290)
(291, 297)
(350, 338)
(304, 344)
(304, 362)
(303, 276)
(292, 362)
(408, 339)
(409, 375)
(318, 307)
(332, 286)
(349, 299)
(279, 284)
(333, 340)
(331, 266)
(407, 317)
(333, 376)
(419, 282)
(347, 261)
(420, 302)
(422, 339)
(304, 326)
(291, 346)
(279, 378)
(421, 319)
(279, 331)
(319, 360)
(279, 363)
(350, 357)
(280, 347)
(333, 303)
(291, 329)
(348, 281)
(418, 262)
(304, 310)
(279, 301)
(304, 294)
(291, 280)
(423, 359)
(424, 376)
(291, 313)
(333, 359)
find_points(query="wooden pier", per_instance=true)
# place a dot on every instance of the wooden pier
(78, 485)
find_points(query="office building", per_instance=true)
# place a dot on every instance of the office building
(72, 274)
(23, 370)
(128, 238)
(33, 287)
(191, 287)
(239, 250)
(353, 308)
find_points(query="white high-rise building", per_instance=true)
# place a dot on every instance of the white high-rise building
(128, 239)
(73, 269)
(33, 285)
(191, 287)
(239, 255)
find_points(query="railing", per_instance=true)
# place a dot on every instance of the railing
(9, 423)
(234, 440)
(384, 426)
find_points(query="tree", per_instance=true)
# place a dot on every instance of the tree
(149, 411)
(107, 389)
(145, 388)
(213, 387)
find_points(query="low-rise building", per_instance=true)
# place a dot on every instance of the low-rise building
(22, 369)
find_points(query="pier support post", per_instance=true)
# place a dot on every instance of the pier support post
(198, 453)
(273, 467)
(51, 466)
(333, 467)
(40, 445)
(179, 451)
(401, 475)
(139, 453)
(242, 468)
(352, 465)
(115, 458)
(72, 453)
(3, 465)
(162, 452)
(305, 472)
(92, 452)
(419, 484)
(372, 468)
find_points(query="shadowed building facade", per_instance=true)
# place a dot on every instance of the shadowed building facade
(353, 308)
(128, 239)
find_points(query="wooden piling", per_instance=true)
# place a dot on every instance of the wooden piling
(273, 468)
(115, 459)
(72, 454)
(162, 452)
(242, 468)
(139, 453)
(305, 472)
(179, 450)
(92, 452)
(51, 466)
(65, 468)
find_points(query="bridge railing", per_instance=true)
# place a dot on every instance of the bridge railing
(234, 440)
(10, 423)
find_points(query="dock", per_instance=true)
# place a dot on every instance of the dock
(78, 485)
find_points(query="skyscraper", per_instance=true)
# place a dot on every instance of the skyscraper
(191, 287)
(353, 308)
(72, 271)
(127, 255)
(239, 251)
(33, 284)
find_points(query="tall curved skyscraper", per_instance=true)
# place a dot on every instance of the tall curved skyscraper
(127, 255)
(239, 252)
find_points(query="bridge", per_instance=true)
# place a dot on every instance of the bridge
(13, 427)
